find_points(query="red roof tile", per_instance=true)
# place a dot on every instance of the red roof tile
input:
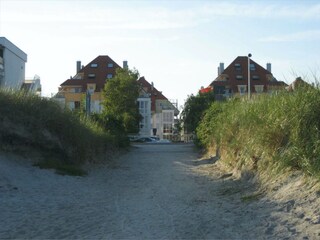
(154, 93)
(237, 74)
(100, 73)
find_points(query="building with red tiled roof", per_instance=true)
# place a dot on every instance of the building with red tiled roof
(88, 79)
(157, 111)
(154, 93)
(205, 90)
(162, 112)
(297, 83)
(234, 79)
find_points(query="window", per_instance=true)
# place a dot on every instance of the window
(255, 77)
(71, 105)
(258, 88)
(168, 116)
(237, 66)
(143, 107)
(110, 65)
(91, 75)
(76, 105)
(109, 75)
(239, 77)
(94, 65)
(141, 103)
(91, 87)
(167, 128)
(77, 90)
(252, 67)
(242, 89)
(95, 106)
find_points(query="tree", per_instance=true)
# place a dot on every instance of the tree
(120, 108)
(194, 109)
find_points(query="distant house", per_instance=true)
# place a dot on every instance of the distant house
(88, 81)
(234, 79)
(157, 111)
(162, 112)
(299, 82)
(12, 65)
(32, 85)
(205, 90)
(144, 103)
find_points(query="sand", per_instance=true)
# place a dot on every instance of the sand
(151, 192)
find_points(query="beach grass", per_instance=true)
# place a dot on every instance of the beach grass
(30, 122)
(268, 132)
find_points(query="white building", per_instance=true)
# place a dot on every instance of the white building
(162, 112)
(12, 65)
(145, 111)
(32, 85)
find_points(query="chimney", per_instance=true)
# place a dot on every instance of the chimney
(78, 66)
(269, 67)
(125, 64)
(152, 86)
(220, 68)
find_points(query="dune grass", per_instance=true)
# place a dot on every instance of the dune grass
(28, 121)
(272, 132)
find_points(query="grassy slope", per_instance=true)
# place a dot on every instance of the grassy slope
(27, 121)
(268, 132)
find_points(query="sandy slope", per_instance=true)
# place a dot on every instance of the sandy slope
(152, 192)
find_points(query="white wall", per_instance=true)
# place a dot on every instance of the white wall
(14, 64)
(145, 111)
(95, 106)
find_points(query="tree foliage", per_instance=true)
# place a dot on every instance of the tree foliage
(120, 109)
(194, 109)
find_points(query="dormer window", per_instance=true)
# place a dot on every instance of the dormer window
(258, 88)
(94, 65)
(91, 88)
(252, 67)
(242, 89)
(91, 75)
(239, 77)
(110, 65)
(237, 66)
(255, 77)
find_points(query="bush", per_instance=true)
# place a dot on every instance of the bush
(281, 130)
(33, 122)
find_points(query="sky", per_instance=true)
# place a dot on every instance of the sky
(177, 45)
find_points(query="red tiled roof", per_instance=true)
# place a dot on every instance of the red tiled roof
(154, 93)
(297, 83)
(231, 72)
(100, 72)
(205, 90)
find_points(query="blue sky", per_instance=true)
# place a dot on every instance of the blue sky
(178, 45)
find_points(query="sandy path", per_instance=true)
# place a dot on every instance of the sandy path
(153, 192)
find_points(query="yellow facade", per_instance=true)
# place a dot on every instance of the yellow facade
(74, 97)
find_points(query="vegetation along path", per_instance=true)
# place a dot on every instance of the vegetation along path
(151, 192)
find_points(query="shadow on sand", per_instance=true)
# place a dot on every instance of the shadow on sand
(206, 161)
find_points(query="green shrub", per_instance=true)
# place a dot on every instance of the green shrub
(61, 167)
(280, 130)
(30, 121)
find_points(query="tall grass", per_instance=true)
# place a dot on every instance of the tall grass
(282, 131)
(28, 121)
